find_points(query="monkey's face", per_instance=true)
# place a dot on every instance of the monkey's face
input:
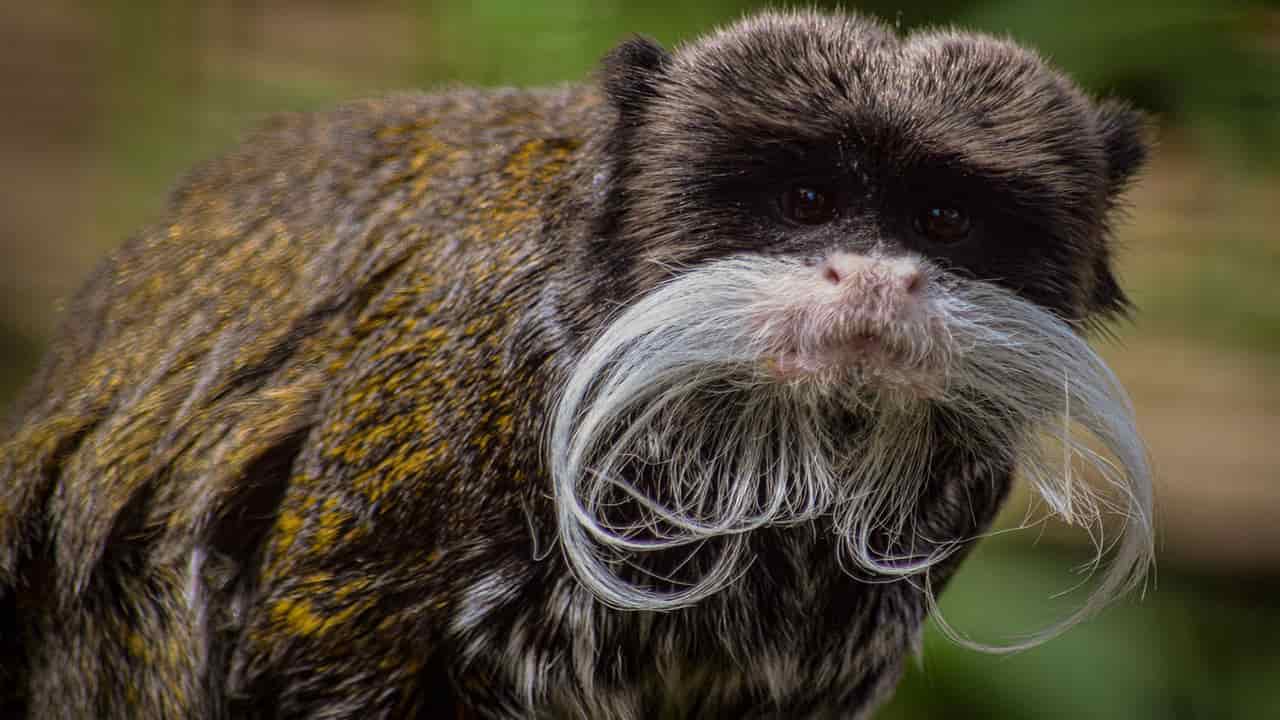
(838, 239)
(812, 136)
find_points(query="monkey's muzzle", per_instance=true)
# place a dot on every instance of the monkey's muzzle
(868, 316)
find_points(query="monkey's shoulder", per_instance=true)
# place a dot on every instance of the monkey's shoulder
(314, 212)
(354, 283)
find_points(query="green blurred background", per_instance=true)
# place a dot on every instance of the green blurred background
(102, 107)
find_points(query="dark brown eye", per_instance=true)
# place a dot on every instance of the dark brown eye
(808, 205)
(943, 224)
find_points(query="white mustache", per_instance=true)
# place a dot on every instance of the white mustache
(769, 454)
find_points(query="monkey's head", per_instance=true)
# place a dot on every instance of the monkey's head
(843, 251)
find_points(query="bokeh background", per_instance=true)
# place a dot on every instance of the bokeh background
(103, 106)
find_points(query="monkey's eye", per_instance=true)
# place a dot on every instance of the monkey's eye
(808, 205)
(943, 224)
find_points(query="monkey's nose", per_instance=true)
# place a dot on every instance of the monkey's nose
(882, 276)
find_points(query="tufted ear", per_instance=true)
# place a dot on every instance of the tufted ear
(630, 78)
(1107, 301)
(630, 75)
(1124, 132)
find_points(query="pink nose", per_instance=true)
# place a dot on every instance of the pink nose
(885, 276)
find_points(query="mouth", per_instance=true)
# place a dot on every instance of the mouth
(863, 351)
(867, 359)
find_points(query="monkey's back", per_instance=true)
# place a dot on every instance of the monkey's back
(250, 436)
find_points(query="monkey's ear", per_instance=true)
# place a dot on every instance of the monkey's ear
(1125, 139)
(630, 74)
(1107, 301)
(629, 77)
(1125, 132)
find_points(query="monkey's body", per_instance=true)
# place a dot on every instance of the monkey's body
(288, 458)
(210, 401)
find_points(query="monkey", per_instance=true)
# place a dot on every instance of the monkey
(682, 392)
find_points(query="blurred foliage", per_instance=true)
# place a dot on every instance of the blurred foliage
(159, 86)
(1192, 647)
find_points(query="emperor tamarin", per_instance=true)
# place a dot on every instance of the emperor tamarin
(677, 394)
